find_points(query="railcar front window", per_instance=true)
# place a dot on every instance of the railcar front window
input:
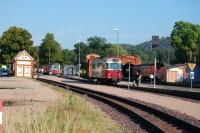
(113, 65)
(55, 67)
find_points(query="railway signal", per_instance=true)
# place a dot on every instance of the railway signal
(155, 42)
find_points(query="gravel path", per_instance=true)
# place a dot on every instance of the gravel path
(29, 92)
(25, 91)
(26, 88)
(131, 124)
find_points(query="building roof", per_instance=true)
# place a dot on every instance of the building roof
(23, 55)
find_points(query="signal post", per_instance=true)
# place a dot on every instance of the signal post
(154, 44)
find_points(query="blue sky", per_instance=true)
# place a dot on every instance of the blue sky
(72, 20)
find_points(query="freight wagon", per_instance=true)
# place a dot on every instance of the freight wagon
(148, 69)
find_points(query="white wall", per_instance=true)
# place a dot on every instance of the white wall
(180, 73)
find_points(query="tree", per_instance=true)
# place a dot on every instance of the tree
(162, 56)
(68, 57)
(197, 51)
(99, 45)
(96, 44)
(112, 50)
(34, 52)
(84, 51)
(13, 40)
(50, 49)
(147, 57)
(184, 38)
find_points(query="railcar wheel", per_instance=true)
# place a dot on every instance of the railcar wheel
(98, 81)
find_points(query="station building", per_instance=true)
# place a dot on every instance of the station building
(23, 65)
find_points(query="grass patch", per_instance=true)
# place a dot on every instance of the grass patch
(70, 114)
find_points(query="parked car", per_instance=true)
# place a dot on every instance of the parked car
(4, 73)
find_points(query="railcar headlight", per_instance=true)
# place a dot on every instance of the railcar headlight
(108, 74)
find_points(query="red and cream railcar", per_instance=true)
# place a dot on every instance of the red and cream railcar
(107, 70)
(53, 69)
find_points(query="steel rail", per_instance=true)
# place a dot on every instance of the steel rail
(134, 109)
(176, 93)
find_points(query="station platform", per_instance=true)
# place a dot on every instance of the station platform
(167, 87)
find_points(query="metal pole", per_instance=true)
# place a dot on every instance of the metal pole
(169, 56)
(79, 60)
(117, 46)
(129, 75)
(191, 84)
(49, 54)
(154, 83)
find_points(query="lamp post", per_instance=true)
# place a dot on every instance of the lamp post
(117, 42)
(169, 53)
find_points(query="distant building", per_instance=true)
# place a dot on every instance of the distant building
(70, 70)
(23, 65)
(181, 73)
(176, 73)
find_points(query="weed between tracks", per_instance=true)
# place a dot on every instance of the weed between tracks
(70, 114)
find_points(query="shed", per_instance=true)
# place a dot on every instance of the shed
(70, 70)
(175, 73)
(23, 65)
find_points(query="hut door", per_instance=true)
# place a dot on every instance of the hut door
(20, 70)
(27, 71)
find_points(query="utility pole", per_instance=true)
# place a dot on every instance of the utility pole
(169, 54)
(117, 46)
(79, 60)
(49, 54)
(154, 83)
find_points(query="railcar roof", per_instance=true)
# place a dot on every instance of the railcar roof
(157, 64)
(110, 59)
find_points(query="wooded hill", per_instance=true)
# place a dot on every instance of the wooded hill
(147, 55)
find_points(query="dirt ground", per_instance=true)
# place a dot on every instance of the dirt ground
(17, 92)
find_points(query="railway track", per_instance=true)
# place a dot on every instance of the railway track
(152, 119)
(176, 93)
